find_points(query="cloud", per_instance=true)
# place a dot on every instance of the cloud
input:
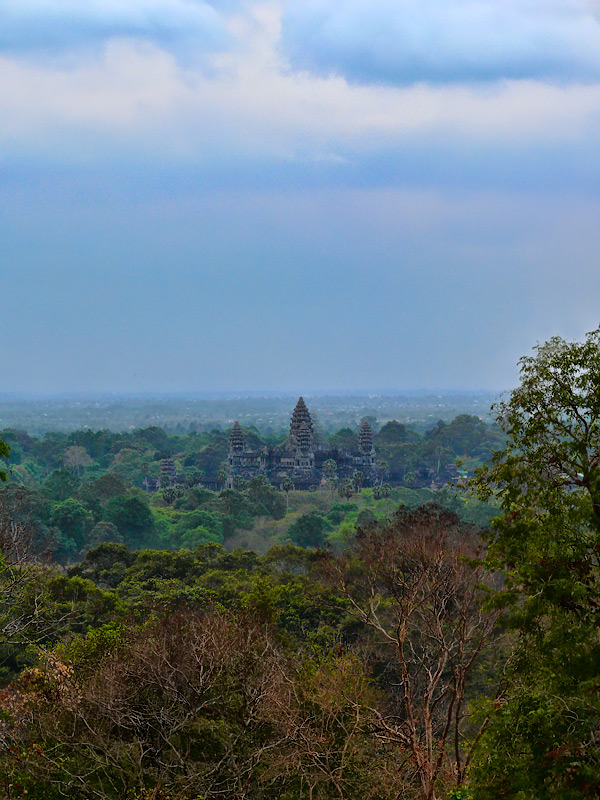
(53, 26)
(444, 41)
(244, 119)
(136, 105)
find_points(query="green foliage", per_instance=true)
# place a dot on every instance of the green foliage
(547, 479)
(339, 511)
(542, 741)
(4, 454)
(187, 529)
(345, 439)
(108, 486)
(394, 433)
(72, 519)
(260, 491)
(132, 517)
(195, 498)
(329, 468)
(105, 564)
(465, 434)
(462, 793)
(104, 532)
(342, 537)
(96, 645)
(347, 489)
(61, 485)
(310, 530)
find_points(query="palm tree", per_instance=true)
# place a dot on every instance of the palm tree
(330, 471)
(358, 479)
(347, 489)
(222, 475)
(287, 487)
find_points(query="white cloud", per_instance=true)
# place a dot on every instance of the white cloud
(138, 104)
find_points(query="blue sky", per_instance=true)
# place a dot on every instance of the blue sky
(308, 194)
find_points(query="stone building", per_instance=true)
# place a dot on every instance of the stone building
(301, 458)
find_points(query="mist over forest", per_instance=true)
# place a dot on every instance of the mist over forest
(268, 412)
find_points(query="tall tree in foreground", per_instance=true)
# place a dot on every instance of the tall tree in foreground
(417, 584)
(544, 741)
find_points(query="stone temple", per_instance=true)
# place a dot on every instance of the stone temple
(301, 459)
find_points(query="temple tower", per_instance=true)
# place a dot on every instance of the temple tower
(366, 450)
(237, 443)
(365, 439)
(301, 428)
(304, 438)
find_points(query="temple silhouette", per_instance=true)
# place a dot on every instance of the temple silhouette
(301, 459)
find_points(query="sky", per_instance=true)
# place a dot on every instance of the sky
(306, 195)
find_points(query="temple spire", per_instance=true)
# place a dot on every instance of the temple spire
(365, 438)
(236, 437)
(301, 427)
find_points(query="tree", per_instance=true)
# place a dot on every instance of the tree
(466, 434)
(222, 475)
(347, 489)
(77, 458)
(172, 493)
(239, 483)
(132, 517)
(287, 486)
(4, 453)
(330, 472)
(61, 484)
(104, 532)
(417, 585)
(345, 439)
(193, 477)
(380, 492)
(358, 478)
(543, 738)
(72, 519)
(310, 530)
(440, 452)
(329, 468)
(189, 705)
(18, 549)
(37, 603)
(393, 432)
(108, 486)
(260, 491)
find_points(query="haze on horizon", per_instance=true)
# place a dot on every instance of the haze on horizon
(293, 196)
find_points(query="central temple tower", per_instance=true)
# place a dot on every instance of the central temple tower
(302, 438)
(301, 428)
